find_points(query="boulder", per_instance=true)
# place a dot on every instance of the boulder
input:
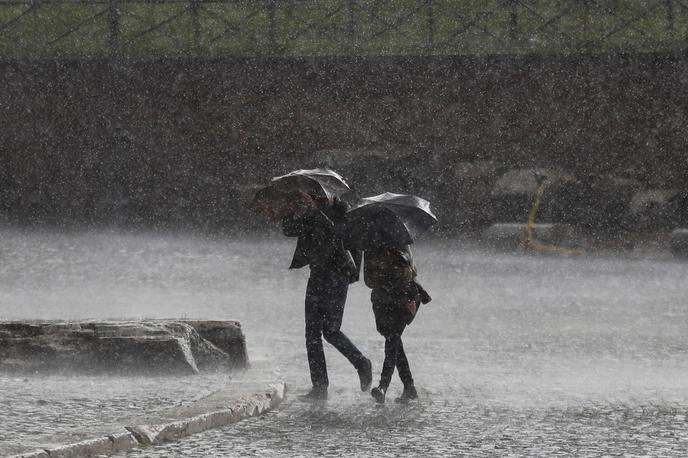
(129, 347)
(679, 242)
(225, 335)
(652, 209)
(679, 208)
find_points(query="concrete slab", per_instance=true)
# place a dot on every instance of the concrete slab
(122, 347)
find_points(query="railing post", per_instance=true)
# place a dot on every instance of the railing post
(272, 25)
(670, 17)
(195, 26)
(586, 22)
(351, 26)
(113, 27)
(36, 32)
(431, 25)
(513, 22)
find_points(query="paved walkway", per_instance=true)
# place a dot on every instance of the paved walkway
(516, 355)
(44, 412)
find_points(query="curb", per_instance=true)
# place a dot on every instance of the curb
(254, 406)
(155, 434)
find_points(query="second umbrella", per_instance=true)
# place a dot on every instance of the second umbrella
(386, 220)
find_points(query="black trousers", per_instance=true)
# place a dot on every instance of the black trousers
(390, 323)
(325, 299)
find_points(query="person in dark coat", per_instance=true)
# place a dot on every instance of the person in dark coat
(332, 268)
(396, 296)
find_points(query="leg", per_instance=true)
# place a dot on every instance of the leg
(380, 391)
(333, 311)
(314, 329)
(405, 375)
(403, 367)
(391, 356)
(390, 325)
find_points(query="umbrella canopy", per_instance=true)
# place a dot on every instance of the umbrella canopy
(319, 183)
(386, 220)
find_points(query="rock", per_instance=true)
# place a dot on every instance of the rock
(225, 335)
(145, 347)
(679, 208)
(651, 209)
(679, 242)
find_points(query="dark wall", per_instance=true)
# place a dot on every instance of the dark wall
(178, 142)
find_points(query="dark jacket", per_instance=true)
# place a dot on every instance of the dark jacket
(318, 244)
(391, 273)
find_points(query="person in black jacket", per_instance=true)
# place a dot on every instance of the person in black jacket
(396, 296)
(332, 268)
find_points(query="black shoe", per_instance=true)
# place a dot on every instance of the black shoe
(408, 394)
(365, 374)
(315, 394)
(379, 394)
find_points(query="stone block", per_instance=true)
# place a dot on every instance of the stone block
(227, 336)
(145, 354)
(145, 347)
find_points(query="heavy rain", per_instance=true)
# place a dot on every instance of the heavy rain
(501, 184)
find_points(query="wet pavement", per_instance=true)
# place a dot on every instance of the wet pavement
(45, 411)
(516, 355)
(445, 429)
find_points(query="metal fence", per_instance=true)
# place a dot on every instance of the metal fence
(139, 28)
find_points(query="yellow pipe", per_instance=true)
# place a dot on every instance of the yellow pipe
(528, 242)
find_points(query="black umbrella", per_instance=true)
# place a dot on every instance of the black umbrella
(386, 220)
(319, 183)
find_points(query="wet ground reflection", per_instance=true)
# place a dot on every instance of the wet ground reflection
(515, 355)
